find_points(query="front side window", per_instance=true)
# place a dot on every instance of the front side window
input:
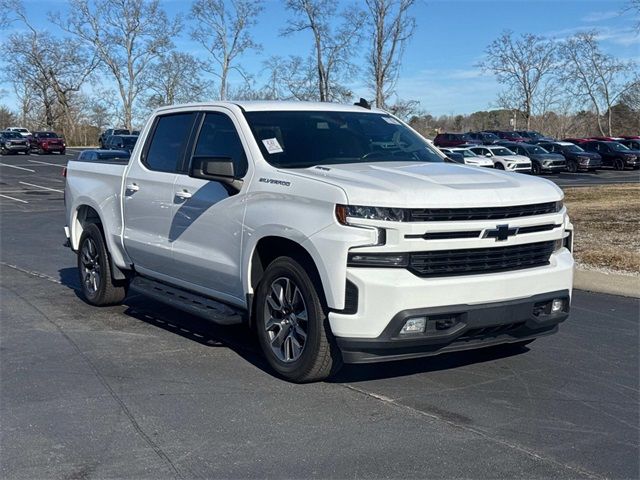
(618, 147)
(302, 139)
(219, 138)
(170, 137)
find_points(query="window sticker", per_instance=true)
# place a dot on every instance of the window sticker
(391, 120)
(272, 145)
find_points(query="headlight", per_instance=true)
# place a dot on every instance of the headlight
(559, 205)
(7, 144)
(369, 213)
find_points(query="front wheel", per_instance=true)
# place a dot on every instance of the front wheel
(292, 323)
(98, 286)
(499, 166)
(572, 167)
(536, 168)
(618, 164)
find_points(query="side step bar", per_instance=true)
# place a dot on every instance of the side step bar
(194, 303)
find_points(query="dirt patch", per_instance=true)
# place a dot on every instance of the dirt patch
(606, 219)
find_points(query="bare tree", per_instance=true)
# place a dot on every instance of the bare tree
(392, 27)
(332, 45)
(595, 77)
(632, 7)
(223, 29)
(127, 36)
(521, 64)
(176, 78)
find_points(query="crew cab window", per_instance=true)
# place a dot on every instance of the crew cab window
(219, 138)
(170, 137)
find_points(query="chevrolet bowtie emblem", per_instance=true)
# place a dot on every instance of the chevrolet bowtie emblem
(501, 232)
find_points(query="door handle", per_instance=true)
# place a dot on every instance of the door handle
(184, 195)
(133, 187)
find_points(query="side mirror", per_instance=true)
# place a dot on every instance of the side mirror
(488, 155)
(219, 169)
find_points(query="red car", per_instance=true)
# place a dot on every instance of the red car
(453, 140)
(631, 137)
(47, 142)
(606, 139)
(577, 141)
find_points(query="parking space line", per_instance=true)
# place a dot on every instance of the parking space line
(40, 186)
(19, 168)
(12, 198)
(47, 163)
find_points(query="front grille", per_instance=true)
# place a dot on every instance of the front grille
(480, 260)
(484, 213)
(486, 332)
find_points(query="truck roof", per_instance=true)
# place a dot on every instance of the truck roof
(268, 106)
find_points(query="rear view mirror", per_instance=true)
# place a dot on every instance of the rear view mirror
(219, 169)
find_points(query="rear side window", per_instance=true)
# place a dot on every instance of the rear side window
(170, 137)
(219, 138)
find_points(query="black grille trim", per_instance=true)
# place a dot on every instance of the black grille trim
(485, 213)
(351, 299)
(480, 260)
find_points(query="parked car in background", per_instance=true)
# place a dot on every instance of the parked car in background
(606, 139)
(453, 140)
(503, 158)
(631, 144)
(509, 136)
(12, 142)
(135, 132)
(47, 142)
(109, 132)
(614, 154)
(120, 142)
(631, 137)
(455, 157)
(534, 137)
(104, 156)
(541, 160)
(577, 141)
(485, 138)
(468, 157)
(21, 130)
(577, 158)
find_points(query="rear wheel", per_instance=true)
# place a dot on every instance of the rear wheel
(94, 266)
(292, 323)
(618, 164)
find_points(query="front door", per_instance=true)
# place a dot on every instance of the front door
(207, 216)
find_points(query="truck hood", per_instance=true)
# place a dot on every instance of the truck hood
(422, 185)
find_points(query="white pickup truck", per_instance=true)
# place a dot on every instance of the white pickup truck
(335, 231)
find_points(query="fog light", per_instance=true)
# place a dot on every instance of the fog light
(414, 325)
(557, 305)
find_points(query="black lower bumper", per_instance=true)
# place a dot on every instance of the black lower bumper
(459, 327)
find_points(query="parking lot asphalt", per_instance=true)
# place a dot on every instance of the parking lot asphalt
(144, 391)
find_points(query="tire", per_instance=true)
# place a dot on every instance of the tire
(63, 152)
(618, 164)
(572, 167)
(298, 350)
(535, 168)
(94, 268)
(499, 166)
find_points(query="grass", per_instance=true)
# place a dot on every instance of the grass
(606, 220)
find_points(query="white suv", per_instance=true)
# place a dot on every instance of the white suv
(503, 158)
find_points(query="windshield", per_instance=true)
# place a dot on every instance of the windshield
(129, 141)
(536, 150)
(301, 139)
(121, 132)
(618, 147)
(501, 152)
(11, 135)
(572, 148)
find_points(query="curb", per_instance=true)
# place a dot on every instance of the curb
(611, 283)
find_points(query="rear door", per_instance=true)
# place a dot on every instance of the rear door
(207, 216)
(148, 196)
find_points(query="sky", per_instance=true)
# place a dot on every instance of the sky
(439, 64)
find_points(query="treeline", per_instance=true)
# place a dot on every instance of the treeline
(111, 62)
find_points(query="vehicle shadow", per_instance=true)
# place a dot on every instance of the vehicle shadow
(244, 343)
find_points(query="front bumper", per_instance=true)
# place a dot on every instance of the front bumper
(16, 148)
(589, 164)
(632, 162)
(382, 293)
(460, 327)
(553, 168)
